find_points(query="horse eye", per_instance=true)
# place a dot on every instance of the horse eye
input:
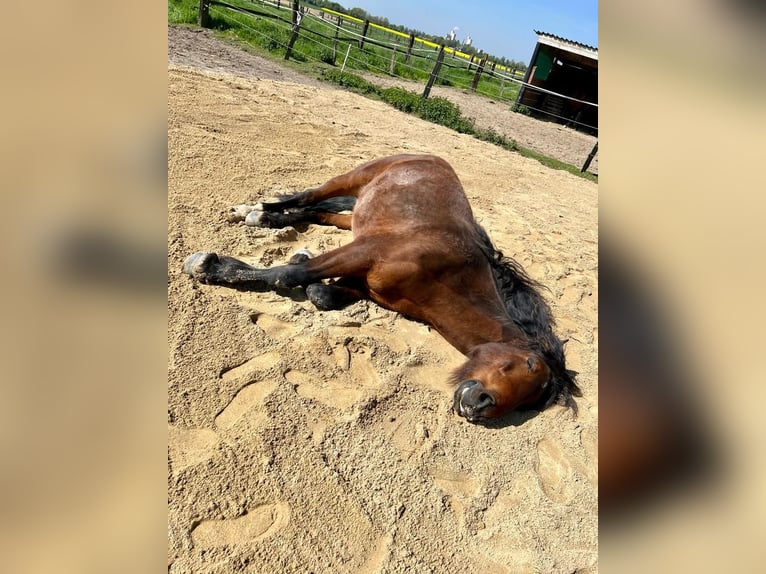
(530, 363)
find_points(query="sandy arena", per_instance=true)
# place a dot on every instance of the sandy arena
(306, 441)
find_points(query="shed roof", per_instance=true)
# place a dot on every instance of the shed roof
(567, 45)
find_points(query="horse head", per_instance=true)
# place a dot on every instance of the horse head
(499, 378)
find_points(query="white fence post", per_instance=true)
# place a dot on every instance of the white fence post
(343, 67)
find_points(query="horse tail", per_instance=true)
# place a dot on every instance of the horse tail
(331, 205)
(530, 311)
(336, 204)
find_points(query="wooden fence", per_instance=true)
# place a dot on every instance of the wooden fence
(458, 60)
(362, 38)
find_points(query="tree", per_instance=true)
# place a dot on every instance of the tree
(358, 13)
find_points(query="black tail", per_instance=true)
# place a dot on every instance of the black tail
(335, 204)
(332, 205)
(529, 310)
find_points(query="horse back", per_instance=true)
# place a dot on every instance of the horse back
(413, 193)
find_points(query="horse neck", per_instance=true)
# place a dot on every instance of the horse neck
(474, 323)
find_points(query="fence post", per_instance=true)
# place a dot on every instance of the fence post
(470, 63)
(297, 17)
(364, 33)
(343, 67)
(392, 67)
(409, 49)
(479, 70)
(204, 13)
(434, 72)
(335, 42)
(591, 155)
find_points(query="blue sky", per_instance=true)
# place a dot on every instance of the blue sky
(499, 27)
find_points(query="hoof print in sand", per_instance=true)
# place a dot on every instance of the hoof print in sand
(260, 363)
(277, 329)
(333, 393)
(247, 399)
(555, 471)
(257, 524)
(188, 447)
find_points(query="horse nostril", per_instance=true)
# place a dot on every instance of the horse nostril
(484, 400)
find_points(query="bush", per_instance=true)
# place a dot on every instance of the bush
(331, 75)
(443, 112)
(491, 136)
(520, 109)
(351, 81)
(435, 109)
(401, 99)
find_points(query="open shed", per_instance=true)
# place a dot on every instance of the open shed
(563, 78)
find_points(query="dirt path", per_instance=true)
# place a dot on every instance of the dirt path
(306, 441)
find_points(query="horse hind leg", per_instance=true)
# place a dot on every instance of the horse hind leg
(348, 184)
(324, 199)
(328, 212)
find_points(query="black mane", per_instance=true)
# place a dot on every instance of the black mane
(530, 312)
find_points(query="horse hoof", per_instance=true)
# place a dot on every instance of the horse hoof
(267, 219)
(255, 219)
(320, 296)
(197, 265)
(300, 256)
(240, 212)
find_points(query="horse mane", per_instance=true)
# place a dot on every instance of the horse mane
(530, 312)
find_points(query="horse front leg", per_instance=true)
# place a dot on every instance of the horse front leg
(334, 296)
(350, 261)
(214, 269)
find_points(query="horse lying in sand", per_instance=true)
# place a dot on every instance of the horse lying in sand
(418, 250)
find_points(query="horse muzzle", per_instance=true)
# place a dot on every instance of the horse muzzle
(471, 401)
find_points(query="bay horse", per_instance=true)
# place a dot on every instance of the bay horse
(418, 250)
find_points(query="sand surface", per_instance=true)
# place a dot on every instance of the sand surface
(307, 441)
